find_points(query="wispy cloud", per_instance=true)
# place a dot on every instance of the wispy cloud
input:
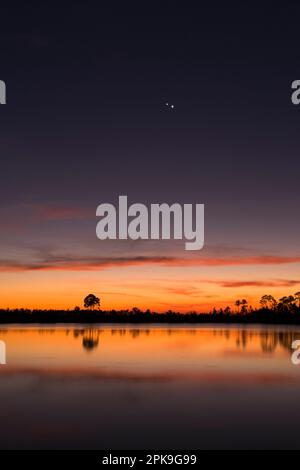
(68, 263)
(28, 215)
(236, 261)
(59, 212)
(268, 283)
(189, 291)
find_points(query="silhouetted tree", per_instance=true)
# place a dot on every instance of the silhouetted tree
(287, 302)
(244, 304)
(136, 310)
(268, 301)
(91, 301)
(237, 303)
(297, 298)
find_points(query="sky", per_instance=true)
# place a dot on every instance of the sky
(86, 121)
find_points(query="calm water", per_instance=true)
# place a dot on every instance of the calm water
(149, 387)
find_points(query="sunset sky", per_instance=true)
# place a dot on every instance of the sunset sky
(86, 121)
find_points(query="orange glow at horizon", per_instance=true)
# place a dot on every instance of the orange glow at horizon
(155, 287)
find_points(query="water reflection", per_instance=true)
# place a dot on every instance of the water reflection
(90, 337)
(269, 339)
(153, 387)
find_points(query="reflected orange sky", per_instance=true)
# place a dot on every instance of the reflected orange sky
(148, 351)
(161, 380)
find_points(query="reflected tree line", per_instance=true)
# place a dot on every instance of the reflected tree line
(269, 339)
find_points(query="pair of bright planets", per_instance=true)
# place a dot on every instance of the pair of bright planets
(171, 106)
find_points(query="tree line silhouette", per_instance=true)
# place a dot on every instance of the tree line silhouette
(282, 311)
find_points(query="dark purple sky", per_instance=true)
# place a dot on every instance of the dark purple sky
(86, 121)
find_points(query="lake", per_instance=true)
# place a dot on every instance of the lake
(149, 387)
